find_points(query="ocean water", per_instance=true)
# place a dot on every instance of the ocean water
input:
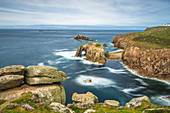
(57, 48)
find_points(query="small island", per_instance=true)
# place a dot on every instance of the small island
(80, 37)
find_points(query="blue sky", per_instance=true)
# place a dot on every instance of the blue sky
(85, 12)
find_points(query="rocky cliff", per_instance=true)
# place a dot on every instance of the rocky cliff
(85, 38)
(94, 52)
(148, 52)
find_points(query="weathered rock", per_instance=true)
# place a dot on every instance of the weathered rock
(10, 81)
(84, 100)
(104, 45)
(137, 102)
(85, 38)
(111, 103)
(47, 93)
(94, 52)
(57, 107)
(44, 75)
(90, 111)
(12, 70)
(157, 110)
(113, 55)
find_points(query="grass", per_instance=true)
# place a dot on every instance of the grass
(155, 37)
(90, 43)
(98, 45)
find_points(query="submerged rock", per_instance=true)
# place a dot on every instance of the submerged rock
(47, 93)
(112, 103)
(12, 70)
(44, 75)
(94, 52)
(87, 80)
(57, 107)
(113, 55)
(10, 81)
(137, 102)
(84, 100)
(85, 38)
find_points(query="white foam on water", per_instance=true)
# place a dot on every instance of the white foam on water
(61, 49)
(40, 64)
(142, 82)
(135, 73)
(67, 66)
(96, 81)
(129, 90)
(68, 78)
(162, 100)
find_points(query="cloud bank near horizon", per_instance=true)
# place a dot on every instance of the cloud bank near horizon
(84, 12)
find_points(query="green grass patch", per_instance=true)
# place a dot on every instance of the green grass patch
(98, 45)
(90, 43)
(2, 101)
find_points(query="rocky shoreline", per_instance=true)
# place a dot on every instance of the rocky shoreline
(150, 62)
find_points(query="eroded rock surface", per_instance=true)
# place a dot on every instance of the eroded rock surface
(113, 55)
(47, 93)
(137, 102)
(44, 75)
(84, 100)
(111, 103)
(94, 52)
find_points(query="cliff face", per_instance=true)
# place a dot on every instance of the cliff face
(94, 52)
(146, 52)
(150, 63)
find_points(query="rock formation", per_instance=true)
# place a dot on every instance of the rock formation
(84, 100)
(113, 55)
(12, 76)
(104, 45)
(111, 103)
(44, 75)
(137, 102)
(94, 52)
(85, 38)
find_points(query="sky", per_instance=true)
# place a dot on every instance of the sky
(85, 12)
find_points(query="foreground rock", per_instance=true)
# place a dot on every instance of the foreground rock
(137, 102)
(84, 100)
(94, 52)
(44, 75)
(57, 107)
(12, 70)
(111, 103)
(157, 110)
(10, 81)
(113, 55)
(47, 93)
(90, 111)
(85, 38)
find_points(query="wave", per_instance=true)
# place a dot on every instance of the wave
(161, 99)
(130, 90)
(40, 64)
(142, 82)
(96, 81)
(61, 49)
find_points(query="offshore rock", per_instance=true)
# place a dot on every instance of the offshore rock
(85, 38)
(137, 102)
(47, 93)
(94, 52)
(84, 100)
(112, 103)
(104, 45)
(10, 81)
(44, 75)
(12, 70)
(113, 55)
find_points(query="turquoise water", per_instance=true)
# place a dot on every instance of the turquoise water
(57, 48)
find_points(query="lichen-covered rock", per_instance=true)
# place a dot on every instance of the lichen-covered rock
(137, 102)
(47, 93)
(84, 100)
(85, 38)
(12, 70)
(57, 107)
(113, 55)
(10, 81)
(94, 52)
(44, 75)
(157, 110)
(112, 103)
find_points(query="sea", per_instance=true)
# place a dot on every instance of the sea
(57, 47)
